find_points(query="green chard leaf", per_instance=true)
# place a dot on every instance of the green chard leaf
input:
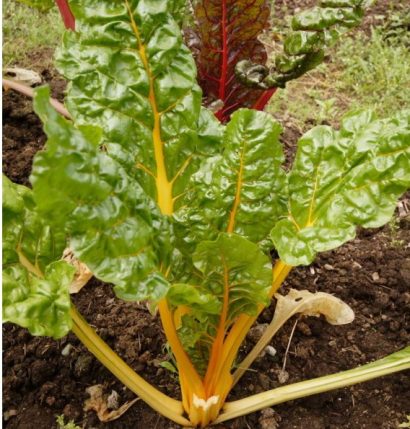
(135, 82)
(234, 263)
(330, 13)
(114, 228)
(343, 179)
(235, 274)
(35, 283)
(131, 75)
(243, 190)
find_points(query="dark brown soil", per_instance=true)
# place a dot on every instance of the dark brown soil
(22, 131)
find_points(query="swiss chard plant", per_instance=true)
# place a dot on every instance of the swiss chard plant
(231, 40)
(155, 196)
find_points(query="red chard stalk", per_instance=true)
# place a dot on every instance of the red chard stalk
(66, 14)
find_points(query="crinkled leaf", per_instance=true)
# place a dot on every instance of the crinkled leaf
(225, 33)
(25, 232)
(341, 179)
(178, 10)
(243, 190)
(236, 276)
(210, 132)
(35, 287)
(131, 75)
(232, 263)
(195, 332)
(114, 228)
(320, 18)
(194, 297)
(42, 305)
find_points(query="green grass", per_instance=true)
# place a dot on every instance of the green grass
(375, 73)
(366, 71)
(27, 33)
(63, 425)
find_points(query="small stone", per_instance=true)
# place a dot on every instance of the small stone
(271, 351)
(375, 276)
(329, 267)
(332, 343)
(66, 350)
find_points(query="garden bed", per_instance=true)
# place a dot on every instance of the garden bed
(371, 273)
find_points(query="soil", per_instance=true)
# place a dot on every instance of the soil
(43, 378)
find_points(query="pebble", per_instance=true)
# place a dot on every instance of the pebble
(66, 350)
(271, 351)
(356, 265)
(375, 277)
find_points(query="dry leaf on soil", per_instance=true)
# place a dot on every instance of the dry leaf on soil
(306, 303)
(99, 402)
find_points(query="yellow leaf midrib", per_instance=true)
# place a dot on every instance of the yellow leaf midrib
(239, 184)
(163, 185)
